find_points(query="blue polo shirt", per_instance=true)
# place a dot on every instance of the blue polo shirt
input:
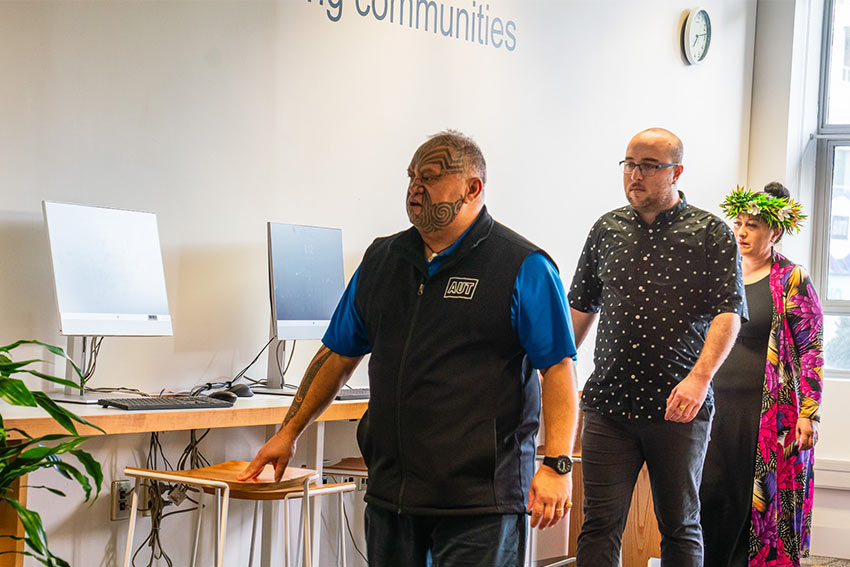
(539, 313)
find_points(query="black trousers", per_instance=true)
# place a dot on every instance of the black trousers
(613, 453)
(403, 540)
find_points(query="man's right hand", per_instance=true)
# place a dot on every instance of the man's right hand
(278, 451)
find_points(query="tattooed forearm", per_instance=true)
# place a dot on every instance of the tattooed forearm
(319, 361)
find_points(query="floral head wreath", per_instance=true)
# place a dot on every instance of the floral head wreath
(775, 211)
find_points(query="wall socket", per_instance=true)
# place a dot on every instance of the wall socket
(122, 494)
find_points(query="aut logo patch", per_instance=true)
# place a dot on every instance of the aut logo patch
(460, 288)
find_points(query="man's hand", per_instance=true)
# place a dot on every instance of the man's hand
(807, 433)
(550, 497)
(277, 451)
(687, 398)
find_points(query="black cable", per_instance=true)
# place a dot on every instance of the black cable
(228, 383)
(192, 457)
(91, 363)
(351, 534)
(250, 364)
(291, 353)
(284, 369)
(157, 502)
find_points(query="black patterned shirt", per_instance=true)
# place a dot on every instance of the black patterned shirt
(658, 287)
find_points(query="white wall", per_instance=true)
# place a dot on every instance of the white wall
(222, 115)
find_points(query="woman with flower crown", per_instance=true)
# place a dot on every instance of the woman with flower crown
(757, 486)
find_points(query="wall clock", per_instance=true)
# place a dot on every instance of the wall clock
(696, 37)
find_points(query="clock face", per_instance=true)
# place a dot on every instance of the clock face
(697, 36)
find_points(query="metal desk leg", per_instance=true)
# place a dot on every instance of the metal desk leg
(314, 437)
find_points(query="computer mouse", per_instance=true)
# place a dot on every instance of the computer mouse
(241, 390)
(223, 395)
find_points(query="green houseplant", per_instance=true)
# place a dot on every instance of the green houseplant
(26, 454)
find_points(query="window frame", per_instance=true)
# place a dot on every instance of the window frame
(829, 137)
(827, 130)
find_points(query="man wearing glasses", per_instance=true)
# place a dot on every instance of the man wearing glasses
(666, 278)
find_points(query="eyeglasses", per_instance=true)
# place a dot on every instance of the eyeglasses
(646, 169)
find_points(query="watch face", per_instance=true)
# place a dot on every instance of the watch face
(562, 466)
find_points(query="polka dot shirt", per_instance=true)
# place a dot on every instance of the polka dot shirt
(657, 287)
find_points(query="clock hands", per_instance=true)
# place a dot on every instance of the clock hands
(696, 38)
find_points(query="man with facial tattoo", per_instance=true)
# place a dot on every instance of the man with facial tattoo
(457, 312)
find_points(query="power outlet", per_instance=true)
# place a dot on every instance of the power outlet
(122, 493)
(361, 481)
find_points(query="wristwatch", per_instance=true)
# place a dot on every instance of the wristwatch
(561, 465)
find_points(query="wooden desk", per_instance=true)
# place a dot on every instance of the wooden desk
(257, 410)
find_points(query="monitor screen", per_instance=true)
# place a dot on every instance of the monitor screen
(107, 271)
(306, 277)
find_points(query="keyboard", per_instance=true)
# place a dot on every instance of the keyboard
(353, 394)
(155, 403)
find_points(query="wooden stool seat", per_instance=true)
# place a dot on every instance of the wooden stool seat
(220, 479)
(293, 477)
(349, 465)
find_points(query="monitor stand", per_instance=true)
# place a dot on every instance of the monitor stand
(76, 350)
(275, 375)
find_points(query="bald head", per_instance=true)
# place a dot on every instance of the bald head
(665, 139)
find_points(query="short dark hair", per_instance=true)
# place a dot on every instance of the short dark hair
(466, 149)
(777, 189)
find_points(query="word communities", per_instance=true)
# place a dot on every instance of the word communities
(475, 25)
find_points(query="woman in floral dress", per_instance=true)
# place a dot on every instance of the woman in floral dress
(757, 487)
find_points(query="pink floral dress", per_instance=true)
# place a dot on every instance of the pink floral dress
(783, 487)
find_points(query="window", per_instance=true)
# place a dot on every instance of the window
(845, 72)
(837, 68)
(832, 211)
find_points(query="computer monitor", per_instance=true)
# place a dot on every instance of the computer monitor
(107, 272)
(306, 280)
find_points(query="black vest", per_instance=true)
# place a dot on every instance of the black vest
(455, 402)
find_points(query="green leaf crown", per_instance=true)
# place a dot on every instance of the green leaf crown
(775, 211)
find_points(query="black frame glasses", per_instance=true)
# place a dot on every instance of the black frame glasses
(646, 169)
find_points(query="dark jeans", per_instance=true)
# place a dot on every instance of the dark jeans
(403, 540)
(612, 454)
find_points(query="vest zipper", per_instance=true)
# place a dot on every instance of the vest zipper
(398, 393)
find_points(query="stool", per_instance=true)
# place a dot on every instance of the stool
(221, 480)
(349, 466)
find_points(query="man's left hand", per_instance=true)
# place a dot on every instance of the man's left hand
(687, 398)
(550, 497)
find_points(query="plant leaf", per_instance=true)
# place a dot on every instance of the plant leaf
(31, 521)
(54, 349)
(92, 468)
(13, 391)
(54, 379)
(81, 479)
(12, 366)
(48, 488)
(55, 409)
